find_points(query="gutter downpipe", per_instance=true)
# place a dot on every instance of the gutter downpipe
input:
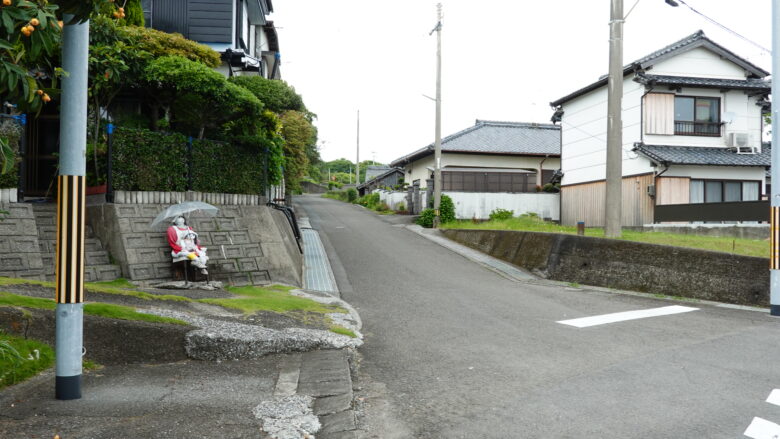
(655, 183)
(539, 174)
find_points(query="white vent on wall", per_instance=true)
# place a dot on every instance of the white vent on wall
(741, 142)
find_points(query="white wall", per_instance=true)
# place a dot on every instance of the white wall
(419, 167)
(746, 117)
(584, 135)
(699, 62)
(393, 199)
(477, 205)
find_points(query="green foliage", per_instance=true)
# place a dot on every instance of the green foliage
(338, 165)
(446, 212)
(370, 201)
(337, 195)
(27, 58)
(299, 135)
(446, 209)
(149, 161)
(203, 97)
(159, 44)
(134, 13)
(352, 195)
(21, 359)
(501, 214)
(426, 218)
(10, 134)
(550, 187)
(275, 94)
(222, 167)
(274, 298)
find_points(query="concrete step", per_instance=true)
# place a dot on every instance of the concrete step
(104, 272)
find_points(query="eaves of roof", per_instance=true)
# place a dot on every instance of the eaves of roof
(697, 39)
(749, 84)
(399, 170)
(702, 156)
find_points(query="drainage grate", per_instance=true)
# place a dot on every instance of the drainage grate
(318, 275)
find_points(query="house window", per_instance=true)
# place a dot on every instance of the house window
(717, 191)
(695, 116)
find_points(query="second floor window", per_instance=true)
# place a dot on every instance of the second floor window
(697, 116)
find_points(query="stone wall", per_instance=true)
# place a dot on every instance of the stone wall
(247, 245)
(636, 266)
(20, 254)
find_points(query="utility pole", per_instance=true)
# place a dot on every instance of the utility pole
(614, 196)
(71, 201)
(437, 143)
(774, 272)
(357, 159)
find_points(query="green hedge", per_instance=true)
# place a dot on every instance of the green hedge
(151, 161)
(10, 179)
(225, 168)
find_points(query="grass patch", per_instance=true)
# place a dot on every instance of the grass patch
(276, 298)
(95, 309)
(531, 223)
(21, 359)
(343, 331)
(116, 283)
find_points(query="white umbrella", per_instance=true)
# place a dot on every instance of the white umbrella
(186, 208)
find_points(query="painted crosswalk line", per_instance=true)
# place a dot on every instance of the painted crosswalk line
(585, 322)
(774, 397)
(762, 429)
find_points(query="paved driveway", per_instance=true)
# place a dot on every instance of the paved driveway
(454, 350)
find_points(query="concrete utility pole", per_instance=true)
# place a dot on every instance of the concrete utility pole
(614, 195)
(437, 144)
(71, 201)
(774, 272)
(357, 159)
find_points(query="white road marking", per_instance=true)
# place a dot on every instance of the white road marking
(774, 397)
(762, 429)
(584, 322)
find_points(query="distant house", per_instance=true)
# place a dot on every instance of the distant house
(490, 156)
(692, 127)
(375, 170)
(390, 178)
(238, 29)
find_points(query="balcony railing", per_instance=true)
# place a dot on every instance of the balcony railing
(687, 128)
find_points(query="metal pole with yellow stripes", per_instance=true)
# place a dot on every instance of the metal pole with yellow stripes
(774, 251)
(70, 211)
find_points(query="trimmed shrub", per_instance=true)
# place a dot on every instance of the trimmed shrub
(149, 161)
(501, 214)
(226, 168)
(446, 209)
(426, 218)
(352, 195)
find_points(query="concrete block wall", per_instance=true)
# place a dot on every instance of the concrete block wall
(20, 254)
(247, 245)
(637, 266)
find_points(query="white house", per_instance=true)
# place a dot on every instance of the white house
(692, 126)
(489, 157)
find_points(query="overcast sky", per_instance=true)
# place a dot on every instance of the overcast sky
(502, 59)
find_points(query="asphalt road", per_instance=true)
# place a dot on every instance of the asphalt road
(454, 350)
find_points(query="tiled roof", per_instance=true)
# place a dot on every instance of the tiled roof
(687, 81)
(696, 39)
(494, 137)
(695, 155)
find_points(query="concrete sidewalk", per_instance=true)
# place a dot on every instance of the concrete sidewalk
(284, 396)
(289, 395)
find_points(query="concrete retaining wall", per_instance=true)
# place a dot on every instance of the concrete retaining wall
(20, 254)
(394, 199)
(650, 268)
(246, 244)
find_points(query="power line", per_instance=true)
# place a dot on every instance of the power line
(711, 20)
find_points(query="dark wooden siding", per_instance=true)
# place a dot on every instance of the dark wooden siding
(169, 16)
(488, 182)
(211, 20)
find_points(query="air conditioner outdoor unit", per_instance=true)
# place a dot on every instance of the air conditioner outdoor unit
(738, 139)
